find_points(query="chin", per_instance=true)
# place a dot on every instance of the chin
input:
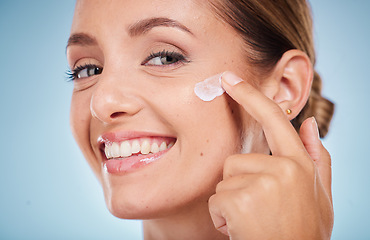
(126, 210)
(131, 208)
(135, 202)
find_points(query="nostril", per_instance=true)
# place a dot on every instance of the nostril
(117, 114)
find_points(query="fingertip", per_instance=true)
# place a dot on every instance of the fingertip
(310, 138)
(309, 129)
(230, 79)
(315, 127)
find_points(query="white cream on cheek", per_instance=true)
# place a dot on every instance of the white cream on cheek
(210, 88)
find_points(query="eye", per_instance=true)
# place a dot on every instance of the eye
(164, 58)
(84, 71)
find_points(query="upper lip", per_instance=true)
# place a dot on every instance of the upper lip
(121, 136)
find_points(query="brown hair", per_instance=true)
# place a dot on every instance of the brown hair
(269, 29)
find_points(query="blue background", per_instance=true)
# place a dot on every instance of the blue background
(47, 188)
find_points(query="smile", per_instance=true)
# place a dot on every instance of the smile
(143, 146)
(126, 152)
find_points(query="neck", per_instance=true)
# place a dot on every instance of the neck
(194, 223)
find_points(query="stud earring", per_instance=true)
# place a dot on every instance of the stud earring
(288, 111)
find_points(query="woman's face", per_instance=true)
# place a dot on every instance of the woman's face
(137, 64)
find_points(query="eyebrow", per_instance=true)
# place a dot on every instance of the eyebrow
(145, 25)
(139, 28)
(81, 39)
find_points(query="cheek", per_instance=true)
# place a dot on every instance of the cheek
(77, 121)
(204, 127)
(80, 119)
(209, 131)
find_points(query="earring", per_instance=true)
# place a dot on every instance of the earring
(288, 111)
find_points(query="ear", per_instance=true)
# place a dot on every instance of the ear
(289, 84)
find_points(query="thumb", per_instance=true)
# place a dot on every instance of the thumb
(310, 137)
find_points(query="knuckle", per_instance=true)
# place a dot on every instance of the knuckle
(244, 198)
(268, 182)
(292, 170)
(289, 168)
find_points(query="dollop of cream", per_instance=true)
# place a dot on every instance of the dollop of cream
(210, 88)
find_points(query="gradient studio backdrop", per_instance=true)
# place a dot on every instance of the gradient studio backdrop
(47, 189)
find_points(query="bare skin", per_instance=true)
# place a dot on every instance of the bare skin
(202, 187)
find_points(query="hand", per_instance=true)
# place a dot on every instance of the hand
(283, 196)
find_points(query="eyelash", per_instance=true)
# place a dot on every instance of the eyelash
(180, 58)
(73, 74)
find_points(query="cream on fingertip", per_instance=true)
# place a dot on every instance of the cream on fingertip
(210, 88)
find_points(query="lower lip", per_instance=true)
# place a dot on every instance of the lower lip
(129, 164)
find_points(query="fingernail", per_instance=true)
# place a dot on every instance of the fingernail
(315, 127)
(231, 78)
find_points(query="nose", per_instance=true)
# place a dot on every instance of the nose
(112, 100)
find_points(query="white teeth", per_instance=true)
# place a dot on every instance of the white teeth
(114, 150)
(125, 149)
(128, 148)
(145, 147)
(135, 146)
(154, 148)
(163, 146)
(107, 152)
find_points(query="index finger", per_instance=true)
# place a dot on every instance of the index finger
(281, 136)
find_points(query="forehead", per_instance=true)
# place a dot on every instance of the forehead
(109, 24)
(123, 13)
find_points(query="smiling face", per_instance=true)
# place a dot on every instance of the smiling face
(156, 148)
